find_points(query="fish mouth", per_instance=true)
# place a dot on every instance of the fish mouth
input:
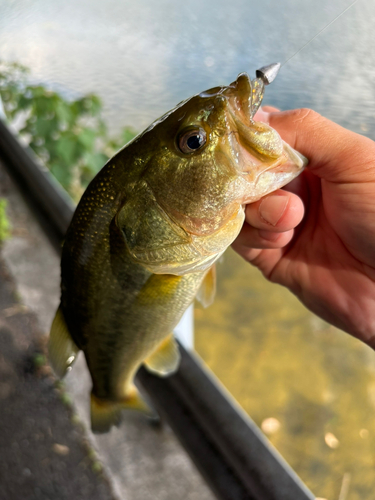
(239, 95)
(264, 161)
(269, 178)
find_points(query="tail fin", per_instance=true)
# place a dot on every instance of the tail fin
(62, 350)
(106, 413)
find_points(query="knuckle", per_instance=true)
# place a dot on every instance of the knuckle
(306, 114)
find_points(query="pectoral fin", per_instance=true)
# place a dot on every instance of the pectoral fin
(207, 291)
(61, 348)
(105, 413)
(166, 359)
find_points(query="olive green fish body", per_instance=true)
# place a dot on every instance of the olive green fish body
(149, 228)
(108, 315)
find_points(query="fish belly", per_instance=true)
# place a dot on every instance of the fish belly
(114, 355)
(146, 337)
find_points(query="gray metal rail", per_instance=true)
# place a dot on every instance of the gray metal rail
(234, 457)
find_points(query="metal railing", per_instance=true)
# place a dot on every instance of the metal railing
(232, 454)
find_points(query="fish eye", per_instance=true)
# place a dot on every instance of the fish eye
(191, 140)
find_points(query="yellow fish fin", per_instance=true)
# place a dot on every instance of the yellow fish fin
(106, 413)
(165, 359)
(207, 291)
(62, 350)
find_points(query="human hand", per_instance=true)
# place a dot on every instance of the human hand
(328, 259)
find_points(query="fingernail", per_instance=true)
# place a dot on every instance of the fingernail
(272, 208)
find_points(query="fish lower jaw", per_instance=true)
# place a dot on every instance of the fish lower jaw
(267, 183)
(276, 176)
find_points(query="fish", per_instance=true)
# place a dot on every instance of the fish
(146, 234)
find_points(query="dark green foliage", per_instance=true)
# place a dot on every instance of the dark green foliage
(70, 137)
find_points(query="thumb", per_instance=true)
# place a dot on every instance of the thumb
(335, 153)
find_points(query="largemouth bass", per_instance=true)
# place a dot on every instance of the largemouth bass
(146, 234)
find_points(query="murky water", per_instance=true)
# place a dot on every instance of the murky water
(310, 387)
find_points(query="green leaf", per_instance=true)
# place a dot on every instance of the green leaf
(87, 138)
(63, 112)
(94, 161)
(66, 150)
(62, 174)
(69, 136)
(24, 102)
(42, 127)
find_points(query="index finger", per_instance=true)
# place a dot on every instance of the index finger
(324, 142)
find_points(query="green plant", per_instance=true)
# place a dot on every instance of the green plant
(4, 221)
(70, 137)
(39, 360)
